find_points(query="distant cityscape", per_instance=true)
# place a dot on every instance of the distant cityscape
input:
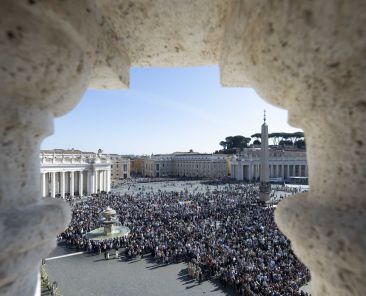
(78, 173)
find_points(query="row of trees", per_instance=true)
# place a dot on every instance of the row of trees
(282, 138)
(234, 143)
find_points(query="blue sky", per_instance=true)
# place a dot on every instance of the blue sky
(164, 110)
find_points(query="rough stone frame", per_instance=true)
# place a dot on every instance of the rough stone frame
(305, 56)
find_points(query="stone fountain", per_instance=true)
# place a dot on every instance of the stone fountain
(112, 228)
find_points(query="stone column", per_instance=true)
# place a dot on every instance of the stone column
(92, 181)
(240, 171)
(53, 184)
(250, 172)
(62, 184)
(270, 171)
(81, 185)
(280, 170)
(44, 194)
(105, 180)
(276, 170)
(88, 182)
(99, 187)
(256, 171)
(95, 189)
(104, 183)
(108, 180)
(95, 183)
(101, 180)
(72, 180)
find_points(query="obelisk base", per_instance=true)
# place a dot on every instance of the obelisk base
(264, 191)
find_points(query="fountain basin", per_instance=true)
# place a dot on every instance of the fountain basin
(112, 227)
(99, 233)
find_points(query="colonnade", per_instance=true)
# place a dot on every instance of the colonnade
(284, 171)
(75, 183)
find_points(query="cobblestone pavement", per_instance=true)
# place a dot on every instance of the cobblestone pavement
(84, 274)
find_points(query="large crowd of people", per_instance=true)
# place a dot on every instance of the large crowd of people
(223, 234)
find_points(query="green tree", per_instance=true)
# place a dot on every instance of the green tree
(256, 136)
(300, 144)
(223, 144)
(275, 137)
(295, 136)
(232, 143)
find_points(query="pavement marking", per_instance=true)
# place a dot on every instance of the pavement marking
(63, 256)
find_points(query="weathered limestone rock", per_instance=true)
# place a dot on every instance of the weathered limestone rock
(309, 57)
(305, 56)
(166, 33)
(46, 57)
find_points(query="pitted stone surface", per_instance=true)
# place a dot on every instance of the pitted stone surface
(165, 33)
(324, 237)
(309, 57)
(305, 56)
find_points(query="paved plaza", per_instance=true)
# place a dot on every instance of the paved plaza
(80, 273)
(190, 187)
(85, 274)
(167, 186)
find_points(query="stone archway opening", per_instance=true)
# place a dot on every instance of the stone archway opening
(306, 57)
